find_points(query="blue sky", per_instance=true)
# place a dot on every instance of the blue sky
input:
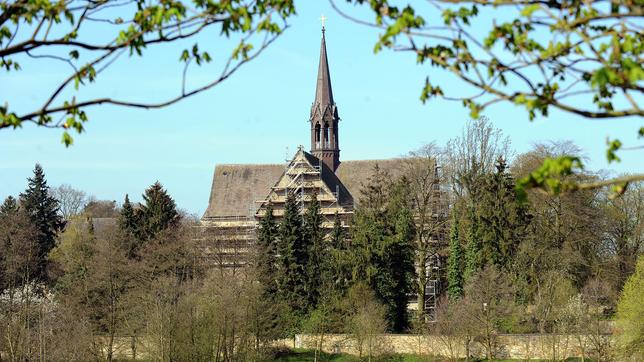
(259, 114)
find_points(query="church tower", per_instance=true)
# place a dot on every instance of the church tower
(324, 116)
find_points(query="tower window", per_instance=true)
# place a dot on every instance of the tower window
(317, 135)
(326, 134)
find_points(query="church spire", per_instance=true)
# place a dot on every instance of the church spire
(324, 114)
(323, 92)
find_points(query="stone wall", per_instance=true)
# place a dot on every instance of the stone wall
(511, 346)
(524, 346)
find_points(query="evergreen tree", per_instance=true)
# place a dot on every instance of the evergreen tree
(473, 262)
(42, 210)
(292, 259)
(158, 213)
(382, 250)
(335, 271)
(129, 224)
(503, 219)
(267, 251)
(316, 251)
(455, 260)
(400, 255)
(8, 207)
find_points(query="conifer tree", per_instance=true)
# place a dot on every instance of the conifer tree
(400, 254)
(267, 251)
(42, 210)
(336, 266)
(129, 224)
(315, 249)
(9, 206)
(158, 213)
(473, 262)
(455, 260)
(382, 250)
(502, 218)
(292, 259)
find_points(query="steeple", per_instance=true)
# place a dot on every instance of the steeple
(324, 115)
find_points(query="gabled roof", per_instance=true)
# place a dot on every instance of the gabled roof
(236, 187)
(331, 180)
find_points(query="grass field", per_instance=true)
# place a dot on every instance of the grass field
(300, 355)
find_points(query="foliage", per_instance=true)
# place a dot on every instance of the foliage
(317, 251)
(454, 261)
(266, 257)
(71, 201)
(630, 314)
(54, 31)
(42, 209)
(382, 239)
(366, 319)
(578, 57)
(292, 258)
(157, 213)
(128, 222)
(502, 220)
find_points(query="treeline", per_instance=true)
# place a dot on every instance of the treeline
(79, 276)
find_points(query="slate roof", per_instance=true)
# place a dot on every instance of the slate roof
(235, 187)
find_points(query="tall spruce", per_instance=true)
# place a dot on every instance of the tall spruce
(316, 251)
(128, 222)
(382, 245)
(267, 252)
(42, 209)
(292, 259)
(455, 260)
(503, 219)
(158, 212)
(336, 266)
(9, 206)
(473, 259)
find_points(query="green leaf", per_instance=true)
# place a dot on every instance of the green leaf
(67, 139)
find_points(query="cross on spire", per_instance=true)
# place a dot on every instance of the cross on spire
(323, 20)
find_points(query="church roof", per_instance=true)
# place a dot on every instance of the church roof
(235, 188)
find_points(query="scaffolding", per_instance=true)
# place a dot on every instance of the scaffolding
(304, 180)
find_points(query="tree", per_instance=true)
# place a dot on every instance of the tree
(366, 320)
(473, 155)
(489, 300)
(157, 213)
(101, 208)
(291, 262)
(9, 206)
(473, 257)
(56, 32)
(630, 315)
(267, 252)
(502, 219)
(71, 201)
(429, 204)
(317, 251)
(42, 209)
(128, 222)
(530, 56)
(454, 261)
(624, 231)
(383, 245)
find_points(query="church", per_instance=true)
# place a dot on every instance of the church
(241, 192)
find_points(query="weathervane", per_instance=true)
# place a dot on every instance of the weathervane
(323, 19)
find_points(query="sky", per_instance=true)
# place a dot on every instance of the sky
(260, 115)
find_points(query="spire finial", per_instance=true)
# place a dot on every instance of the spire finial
(323, 20)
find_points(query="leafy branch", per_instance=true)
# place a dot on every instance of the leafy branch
(26, 29)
